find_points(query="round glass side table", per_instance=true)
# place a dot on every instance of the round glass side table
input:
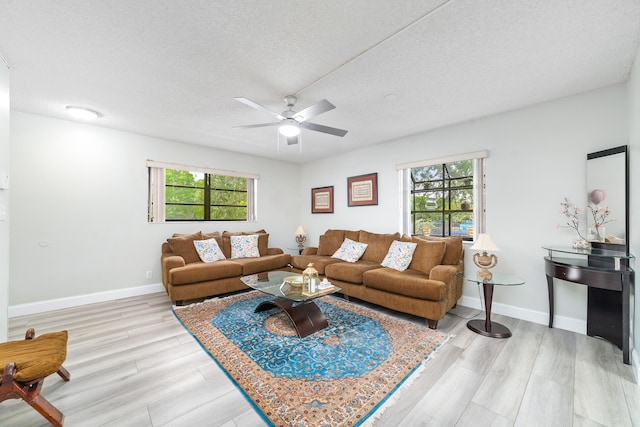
(486, 327)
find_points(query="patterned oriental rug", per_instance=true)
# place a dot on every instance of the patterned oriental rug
(338, 376)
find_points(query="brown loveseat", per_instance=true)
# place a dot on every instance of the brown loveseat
(428, 288)
(186, 277)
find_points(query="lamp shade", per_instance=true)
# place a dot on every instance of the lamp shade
(484, 242)
(300, 231)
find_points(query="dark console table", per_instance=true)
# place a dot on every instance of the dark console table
(608, 274)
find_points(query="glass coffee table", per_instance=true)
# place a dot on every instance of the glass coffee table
(304, 313)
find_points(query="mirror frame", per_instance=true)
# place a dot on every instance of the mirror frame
(609, 152)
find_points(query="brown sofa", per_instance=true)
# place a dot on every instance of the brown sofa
(428, 288)
(186, 277)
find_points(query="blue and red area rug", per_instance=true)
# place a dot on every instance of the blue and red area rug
(336, 377)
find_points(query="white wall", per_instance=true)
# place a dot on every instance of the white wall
(537, 156)
(4, 199)
(79, 206)
(81, 191)
(634, 157)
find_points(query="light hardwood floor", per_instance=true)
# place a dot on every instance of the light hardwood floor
(133, 364)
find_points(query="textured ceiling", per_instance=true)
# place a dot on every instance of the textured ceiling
(392, 67)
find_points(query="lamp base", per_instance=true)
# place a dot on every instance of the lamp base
(484, 274)
(496, 330)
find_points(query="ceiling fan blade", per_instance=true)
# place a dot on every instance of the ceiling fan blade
(324, 129)
(314, 110)
(259, 125)
(257, 106)
(292, 140)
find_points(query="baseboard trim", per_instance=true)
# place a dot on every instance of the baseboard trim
(75, 301)
(542, 318)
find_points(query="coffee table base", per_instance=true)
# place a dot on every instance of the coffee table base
(496, 330)
(306, 317)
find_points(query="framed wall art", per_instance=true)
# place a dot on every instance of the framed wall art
(322, 200)
(362, 190)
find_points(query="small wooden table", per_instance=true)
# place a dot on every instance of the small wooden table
(303, 312)
(486, 327)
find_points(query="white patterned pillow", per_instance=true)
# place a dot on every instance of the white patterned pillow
(244, 246)
(350, 250)
(399, 255)
(208, 250)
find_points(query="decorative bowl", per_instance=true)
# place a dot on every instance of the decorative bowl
(293, 281)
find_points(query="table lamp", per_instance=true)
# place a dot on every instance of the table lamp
(484, 261)
(301, 236)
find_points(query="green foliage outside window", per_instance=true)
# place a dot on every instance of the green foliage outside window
(196, 196)
(442, 199)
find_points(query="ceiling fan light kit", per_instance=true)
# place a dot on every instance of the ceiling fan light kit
(289, 127)
(291, 122)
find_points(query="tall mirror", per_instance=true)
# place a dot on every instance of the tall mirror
(608, 197)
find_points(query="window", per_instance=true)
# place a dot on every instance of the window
(184, 193)
(444, 197)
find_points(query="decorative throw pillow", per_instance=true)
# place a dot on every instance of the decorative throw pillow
(263, 241)
(208, 250)
(399, 255)
(244, 246)
(350, 251)
(213, 235)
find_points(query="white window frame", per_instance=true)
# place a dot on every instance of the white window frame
(157, 187)
(479, 187)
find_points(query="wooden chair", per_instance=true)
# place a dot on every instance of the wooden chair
(27, 363)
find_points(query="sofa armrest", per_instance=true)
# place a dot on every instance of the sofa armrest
(274, 251)
(448, 275)
(168, 263)
(443, 273)
(309, 251)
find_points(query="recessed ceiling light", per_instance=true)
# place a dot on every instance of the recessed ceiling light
(82, 113)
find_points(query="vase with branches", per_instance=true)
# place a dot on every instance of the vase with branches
(572, 214)
(600, 217)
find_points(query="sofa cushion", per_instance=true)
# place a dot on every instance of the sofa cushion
(453, 250)
(350, 251)
(335, 233)
(263, 263)
(202, 272)
(378, 245)
(319, 262)
(409, 283)
(244, 246)
(399, 255)
(213, 235)
(349, 272)
(193, 236)
(427, 255)
(352, 234)
(183, 246)
(208, 250)
(35, 358)
(329, 243)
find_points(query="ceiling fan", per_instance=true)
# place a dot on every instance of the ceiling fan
(290, 123)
